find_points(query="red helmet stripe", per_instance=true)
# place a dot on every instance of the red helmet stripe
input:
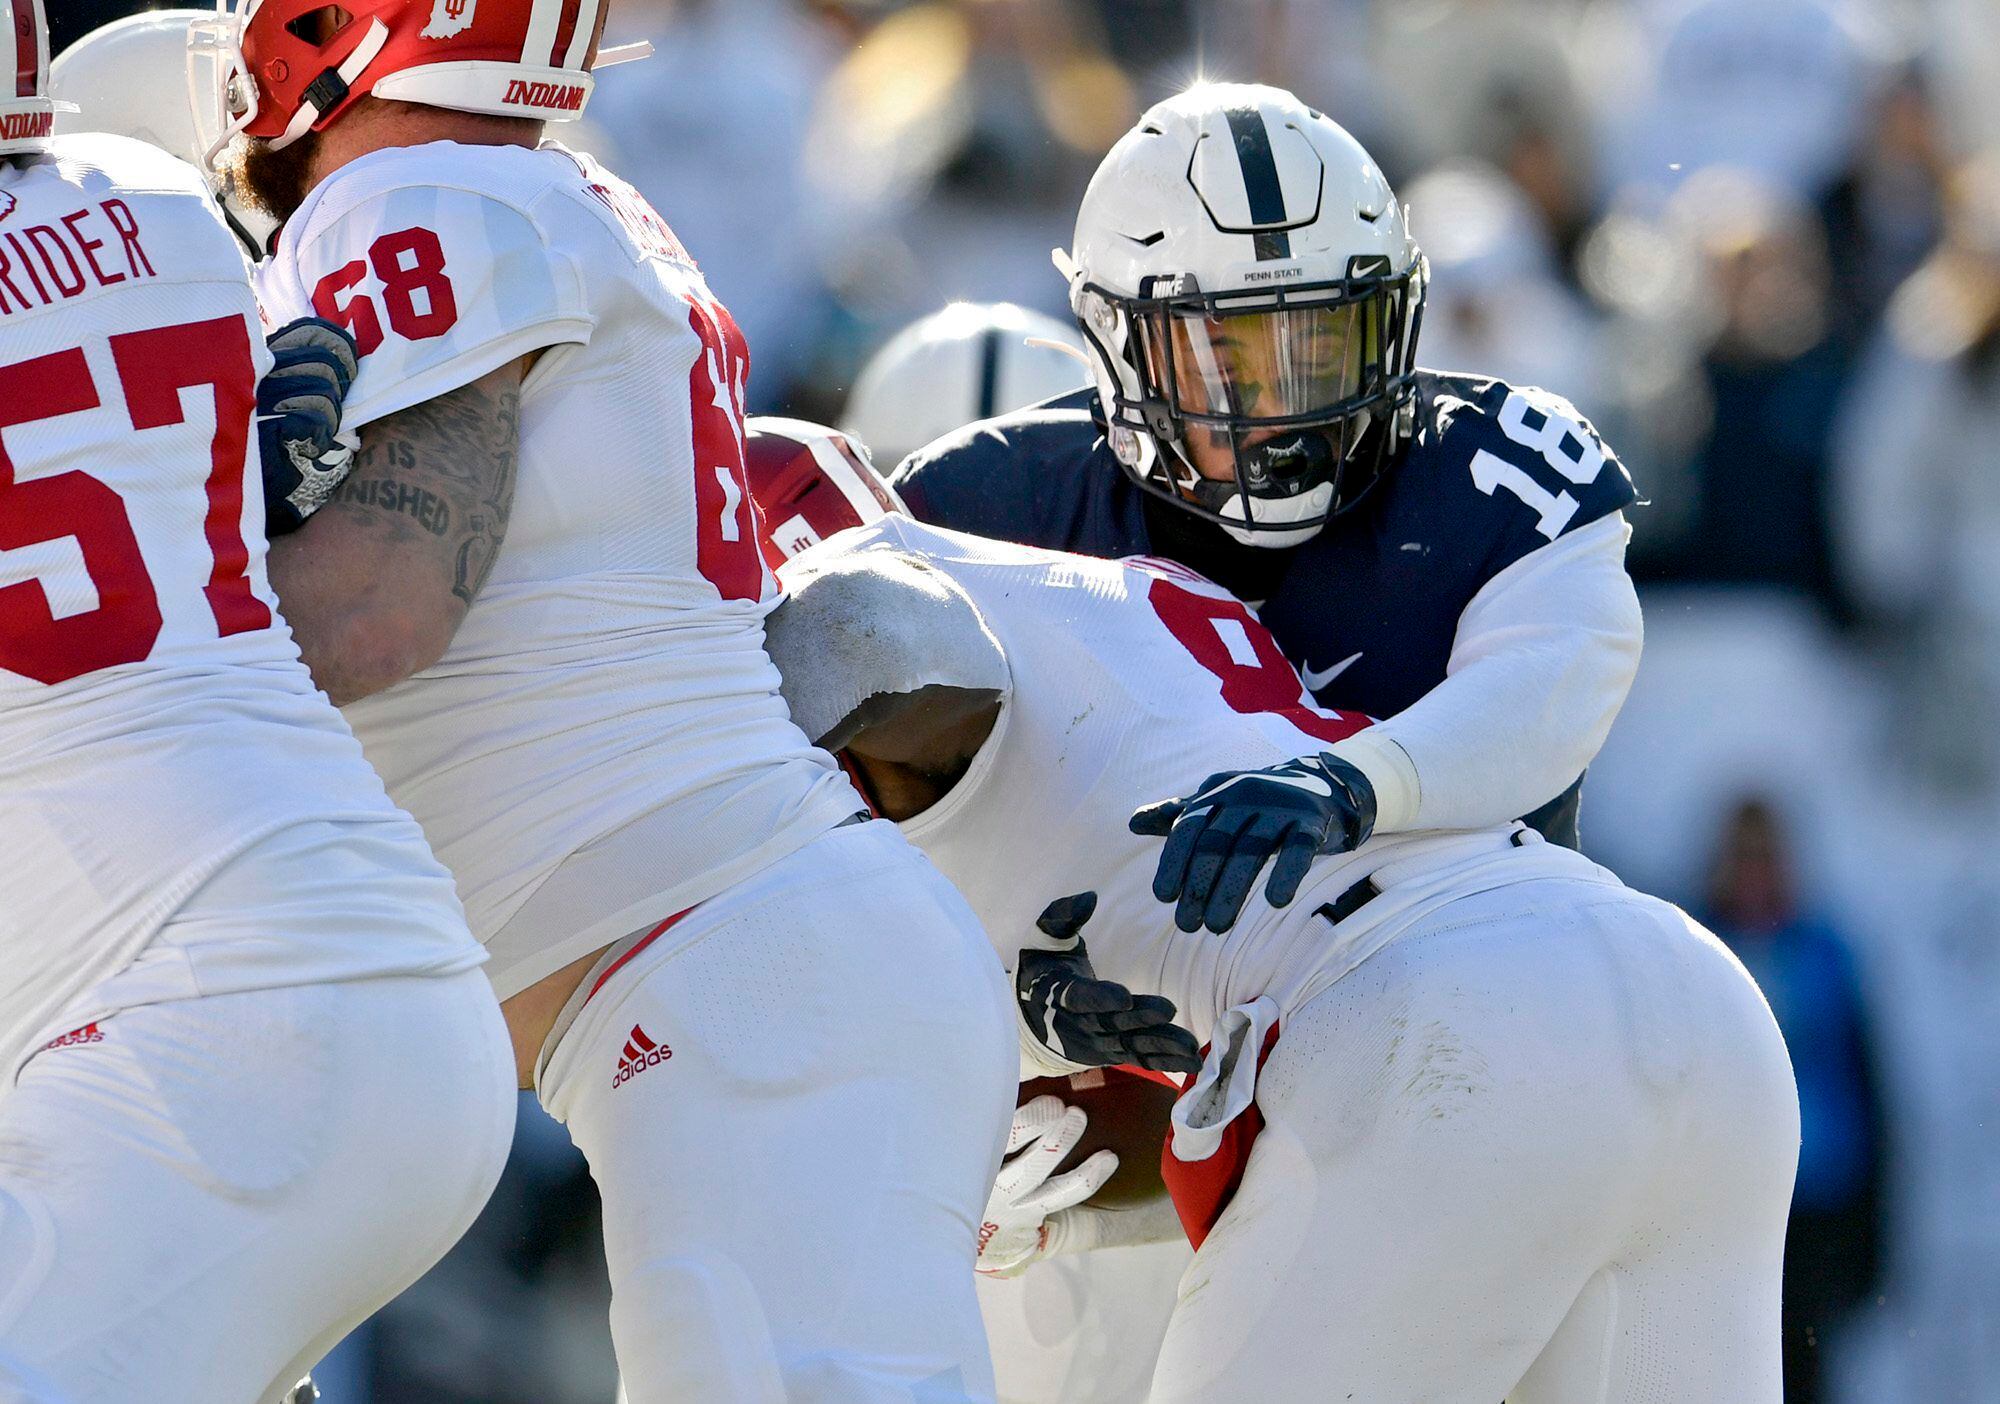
(27, 48)
(565, 31)
(849, 477)
(544, 19)
(585, 28)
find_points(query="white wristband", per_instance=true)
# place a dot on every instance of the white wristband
(1391, 771)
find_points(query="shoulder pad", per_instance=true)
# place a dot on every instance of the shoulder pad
(438, 283)
(1522, 445)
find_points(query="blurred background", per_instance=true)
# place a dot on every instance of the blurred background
(1757, 241)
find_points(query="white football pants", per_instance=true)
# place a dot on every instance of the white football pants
(794, 1103)
(199, 1198)
(1083, 1327)
(1544, 1145)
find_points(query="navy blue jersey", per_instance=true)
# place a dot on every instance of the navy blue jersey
(1368, 608)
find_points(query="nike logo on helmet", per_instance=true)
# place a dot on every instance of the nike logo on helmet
(1317, 680)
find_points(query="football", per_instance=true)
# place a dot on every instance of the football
(1128, 1115)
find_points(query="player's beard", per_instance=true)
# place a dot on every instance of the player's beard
(274, 181)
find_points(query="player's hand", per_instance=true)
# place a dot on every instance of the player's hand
(1220, 837)
(298, 420)
(1074, 1020)
(1015, 1230)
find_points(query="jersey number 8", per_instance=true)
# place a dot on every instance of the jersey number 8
(1230, 642)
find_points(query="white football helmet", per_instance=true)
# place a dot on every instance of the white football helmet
(1243, 273)
(138, 76)
(969, 361)
(27, 113)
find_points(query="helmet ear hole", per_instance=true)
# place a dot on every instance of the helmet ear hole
(320, 27)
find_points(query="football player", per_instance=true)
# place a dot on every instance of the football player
(1444, 551)
(1477, 1121)
(540, 596)
(252, 1083)
(965, 361)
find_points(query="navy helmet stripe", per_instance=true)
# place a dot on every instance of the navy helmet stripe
(1260, 179)
(989, 373)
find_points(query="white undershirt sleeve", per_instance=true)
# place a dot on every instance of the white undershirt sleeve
(1543, 658)
(1085, 1228)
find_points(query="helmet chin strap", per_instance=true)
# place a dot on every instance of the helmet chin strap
(623, 53)
(1309, 507)
(1228, 502)
(330, 89)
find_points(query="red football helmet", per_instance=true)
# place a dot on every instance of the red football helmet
(808, 482)
(288, 67)
(27, 115)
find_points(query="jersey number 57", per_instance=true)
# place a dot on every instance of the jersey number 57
(153, 367)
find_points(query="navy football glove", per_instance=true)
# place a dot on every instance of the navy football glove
(1078, 1021)
(1220, 837)
(298, 420)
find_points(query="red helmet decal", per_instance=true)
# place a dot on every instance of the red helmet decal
(306, 61)
(27, 48)
(27, 115)
(809, 482)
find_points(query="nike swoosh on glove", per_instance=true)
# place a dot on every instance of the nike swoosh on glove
(1075, 1020)
(298, 420)
(1219, 838)
(1014, 1231)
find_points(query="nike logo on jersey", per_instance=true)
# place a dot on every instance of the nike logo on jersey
(1317, 680)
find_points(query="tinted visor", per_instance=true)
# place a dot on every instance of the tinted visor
(1281, 364)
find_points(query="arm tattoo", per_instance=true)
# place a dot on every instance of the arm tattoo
(486, 524)
(430, 511)
(437, 479)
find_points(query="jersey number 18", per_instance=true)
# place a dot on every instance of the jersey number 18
(1564, 445)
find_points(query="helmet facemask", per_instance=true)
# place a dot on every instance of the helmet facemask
(1304, 392)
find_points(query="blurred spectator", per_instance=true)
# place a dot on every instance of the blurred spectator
(1153, 39)
(1494, 81)
(1497, 304)
(1323, 50)
(712, 131)
(1781, 88)
(948, 153)
(1885, 212)
(1964, 37)
(1919, 495)
(1773, 371)
(1834, 1241)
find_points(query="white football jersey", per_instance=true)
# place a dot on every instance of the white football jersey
(1131, 682)
(155, 719)
(603, 743)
